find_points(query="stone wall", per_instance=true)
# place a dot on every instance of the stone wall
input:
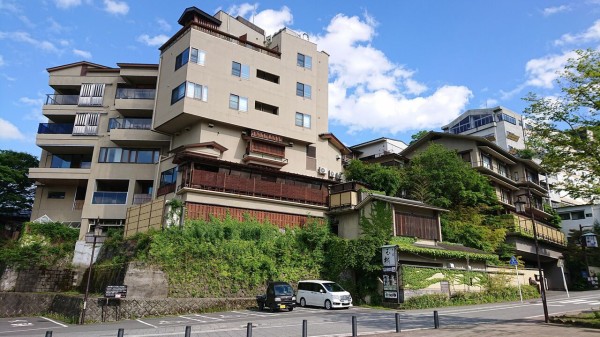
(14, 304)
(44, 280)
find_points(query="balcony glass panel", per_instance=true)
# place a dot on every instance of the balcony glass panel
(129, 93)
(110, 198)
(55, 128)
(83, 161)
(130, 123)
(53, 99)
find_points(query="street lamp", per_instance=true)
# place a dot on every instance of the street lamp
(520, 205)
(587, 240)
(93, 238)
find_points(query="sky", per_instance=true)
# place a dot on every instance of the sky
(395, 67)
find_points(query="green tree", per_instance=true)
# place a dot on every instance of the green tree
(565, 129)
(418, 136)
(378, 177)
(16, 190)
(450, 182)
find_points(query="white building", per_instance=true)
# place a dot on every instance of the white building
(573, 216)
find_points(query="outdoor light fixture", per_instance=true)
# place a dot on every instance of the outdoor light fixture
(520, 205)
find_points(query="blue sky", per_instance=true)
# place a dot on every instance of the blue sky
(396, 67)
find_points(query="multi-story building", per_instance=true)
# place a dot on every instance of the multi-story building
(385, 151)
(513, 179)
(229, 121)
(573, 216)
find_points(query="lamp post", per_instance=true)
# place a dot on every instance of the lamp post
(587, 240)
(93, 238)
(520, 204)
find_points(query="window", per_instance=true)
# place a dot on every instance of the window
(71, 161)
(240, 70)
(507, 118)
(182, 59)
(198, 56)
(577, 215)
(304, 61)
(481, 120)
(565, 216)
(502, 169)
(134, 156)
(86, 124)
(197, 91)
(303, 90)
(168, 177)
(178, 93)
(56, 195)
(238, 103)
(91, 94)
(486, 161)
(267, 76)
(466, 157)
(302, 120)
(260, 106)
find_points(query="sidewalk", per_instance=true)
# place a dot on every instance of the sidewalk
(504, 330)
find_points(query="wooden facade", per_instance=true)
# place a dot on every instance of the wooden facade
(419, 226)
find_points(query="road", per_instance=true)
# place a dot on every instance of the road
(320, 322)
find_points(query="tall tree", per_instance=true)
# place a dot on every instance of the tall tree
(418, 136)
(378, 177)
(565, 129)
(16, 190)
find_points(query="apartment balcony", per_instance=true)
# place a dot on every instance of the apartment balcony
(135, 101)
(134, 131)
(56, 99)
(496, 173)
(56, 175)
(256, 187)
(109, 198)
(264, 160)
(533, 182)
(66, 138)
(55, 128)
(522, 226)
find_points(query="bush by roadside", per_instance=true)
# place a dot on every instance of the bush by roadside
(588, 319)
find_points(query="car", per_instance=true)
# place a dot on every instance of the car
(323, 293)
(279, 296)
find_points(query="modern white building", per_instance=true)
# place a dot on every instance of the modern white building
(573, 216)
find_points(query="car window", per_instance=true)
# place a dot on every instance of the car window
(283, 289)
(333, 287)
(303, 286)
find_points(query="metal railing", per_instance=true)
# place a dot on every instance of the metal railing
(130, 123)
(57, 99)
(132, 93)
(55, 128)
(493, 168)
(139, 199)
(236, 40)
(109, 198)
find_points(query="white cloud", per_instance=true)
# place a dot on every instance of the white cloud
(35, 113)
(364, 82)
(554, 10)
(9, 130)
(273, 20)
(25, 37)
(590, 35)
(26, 21)
(542, 72)
(54, 26)
(157, 40)
(9, 7)
(163, 24)
(82, 53)
(8, 78)
(242, 10)
(116, 7)
(67, 3)
(2, 61)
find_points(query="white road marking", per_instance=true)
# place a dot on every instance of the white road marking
(148, 324)
(251, 314)
(55, 322)
(21, 324)
(213, 318)
(193, 319)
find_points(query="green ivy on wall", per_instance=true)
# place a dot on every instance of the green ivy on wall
(405, 244)
(421, 278)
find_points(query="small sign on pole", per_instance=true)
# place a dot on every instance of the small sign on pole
(513, 262)
(389, 257)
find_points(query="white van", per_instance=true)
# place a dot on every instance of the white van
(321, 293)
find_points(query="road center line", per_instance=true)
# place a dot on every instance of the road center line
(148, 324)
(55, 322)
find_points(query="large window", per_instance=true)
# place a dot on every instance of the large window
(267, 76)
(238, 103)
(303, 90)
(182, 58)
(304, 61)
(486, 161)
(124, 155)
(178, 93)
(91, 94)
(83, 161)
(191, 90)
(197, 56)
(260, 106)
(191, 54)
(86, 124)
(302, 120)
(240, 70)
(507, 118)
(168, 177)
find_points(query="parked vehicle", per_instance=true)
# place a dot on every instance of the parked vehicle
(280, 295)
(321, 293)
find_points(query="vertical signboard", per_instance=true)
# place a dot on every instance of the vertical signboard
(389, 257)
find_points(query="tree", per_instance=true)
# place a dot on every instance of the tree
(449, 181)
(565, 129)
(16, 190)
(378, 177)
(418, 136)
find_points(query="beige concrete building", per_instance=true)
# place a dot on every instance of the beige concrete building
(229, 121)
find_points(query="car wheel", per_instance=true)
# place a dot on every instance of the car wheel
(261, 307)
(328, 305)
(302, 302)
(290, 308)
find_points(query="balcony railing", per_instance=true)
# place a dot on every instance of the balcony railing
(56, 99)
(497, 169)
(110, 198)
(139, 199)
(130, 123)
(130, 93)
(256, 187)
(55, 128)
(523, 225)
(236, 40)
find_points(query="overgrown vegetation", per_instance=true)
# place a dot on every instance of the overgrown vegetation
(405, 244)
(590, 319)
(504, 294)
(41, 245)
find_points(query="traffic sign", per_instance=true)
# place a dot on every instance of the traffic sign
(513, 261)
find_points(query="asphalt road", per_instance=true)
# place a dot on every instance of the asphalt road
(319, 321)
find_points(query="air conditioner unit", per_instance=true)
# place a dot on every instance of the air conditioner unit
(339, 176)
(331, 174)
(269, 39)
(322, 170)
